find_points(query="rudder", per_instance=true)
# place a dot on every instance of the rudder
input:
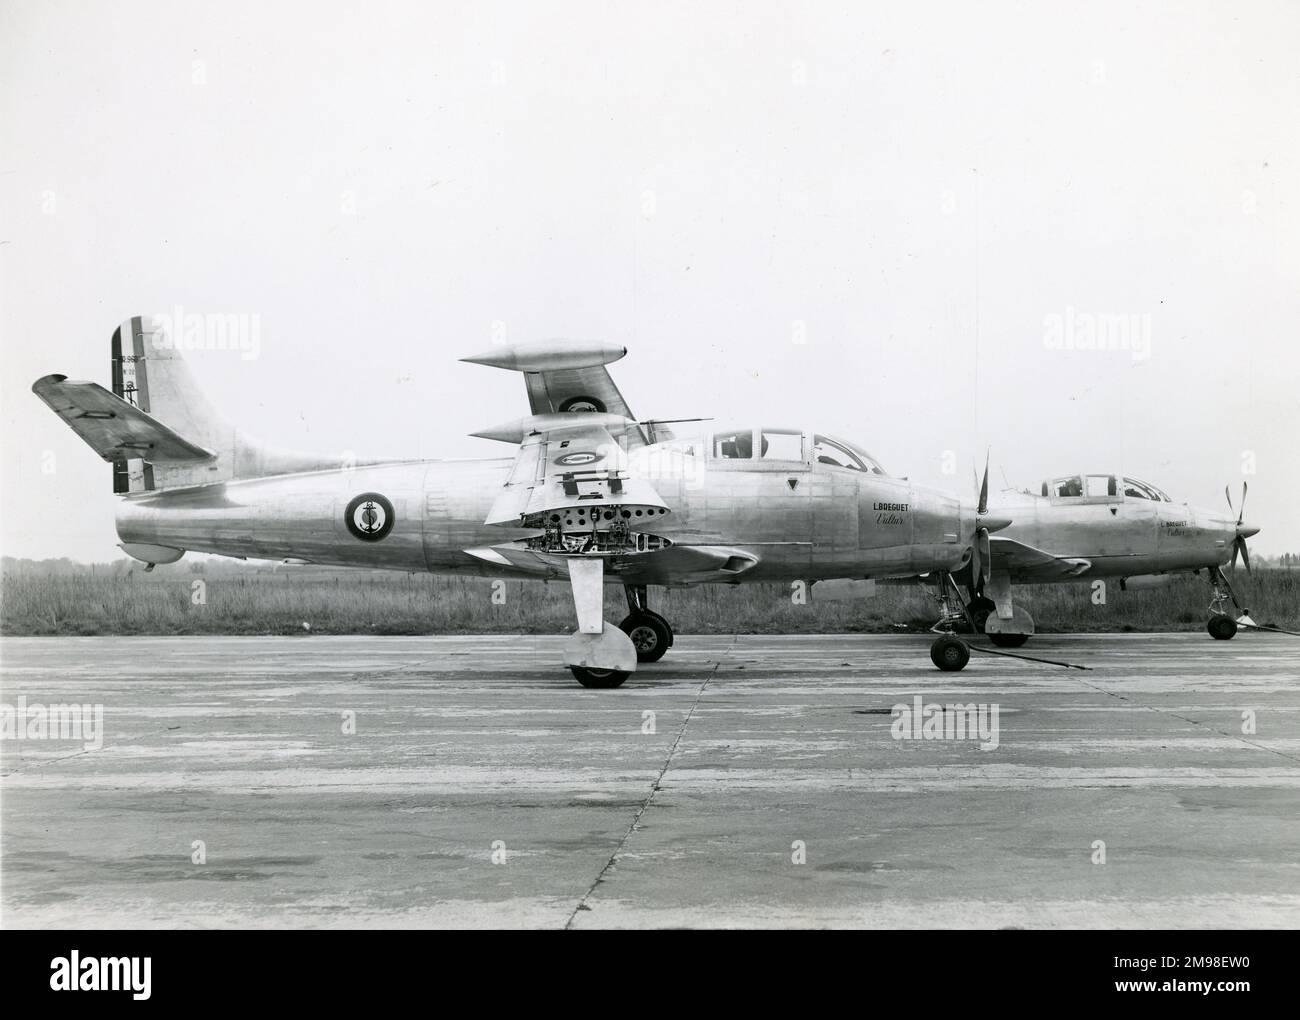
(149, 373)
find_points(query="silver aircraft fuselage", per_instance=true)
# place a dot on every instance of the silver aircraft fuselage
(1115, 536)
(794, 519)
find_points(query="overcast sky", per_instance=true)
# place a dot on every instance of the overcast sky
(928, 196)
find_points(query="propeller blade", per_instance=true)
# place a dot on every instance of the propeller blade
(1245, 554)
(1242, 515)
(984, 488)
(986, 556)
(1236, 546)
(1228, 496)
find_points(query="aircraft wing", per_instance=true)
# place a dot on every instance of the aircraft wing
(572, 483)
(678, 565)
(562, 378)
(114, 428)
(569, 473)
(1027, 563)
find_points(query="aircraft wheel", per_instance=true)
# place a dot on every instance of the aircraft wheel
(667, 626)
(650, 634)
(1222, 628)
(601, 678)
(949, 653)
(1009, 640)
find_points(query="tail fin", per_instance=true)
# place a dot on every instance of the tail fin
(157, 428)
(150, 374)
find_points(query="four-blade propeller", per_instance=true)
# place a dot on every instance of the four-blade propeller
(1239, 543)
(981, 563)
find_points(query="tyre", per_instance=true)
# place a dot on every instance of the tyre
(950, 653)
(600, 678)
(667, 626)
(650, 635)
(1222, 628)
(1009, 640)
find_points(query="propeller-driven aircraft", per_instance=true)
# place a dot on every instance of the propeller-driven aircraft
(591, 495)
(1085, 526)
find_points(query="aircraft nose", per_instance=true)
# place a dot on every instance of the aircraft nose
(1247, 531)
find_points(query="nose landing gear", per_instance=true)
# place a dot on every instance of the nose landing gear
(949, 652)
(1222, 627)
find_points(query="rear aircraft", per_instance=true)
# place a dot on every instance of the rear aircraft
(591, 495)
(1080, 527)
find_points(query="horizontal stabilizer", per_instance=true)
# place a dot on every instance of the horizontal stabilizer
(563, 377)
(113, 428)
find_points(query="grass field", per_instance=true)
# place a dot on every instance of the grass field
(252, 601)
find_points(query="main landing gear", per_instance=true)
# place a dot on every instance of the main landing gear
(981, 608)
(1223, 627)
(601, 678)
(650, 633)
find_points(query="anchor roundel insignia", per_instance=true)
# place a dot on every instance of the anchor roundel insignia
(582, 403)
(574, 459)
(369, 517)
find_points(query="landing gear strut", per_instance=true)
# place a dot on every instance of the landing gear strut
(1223, 627)
(949, 652)
(650, 633)
(597, 653)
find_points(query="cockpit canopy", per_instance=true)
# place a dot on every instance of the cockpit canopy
(772, 444)
(1106, 488)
